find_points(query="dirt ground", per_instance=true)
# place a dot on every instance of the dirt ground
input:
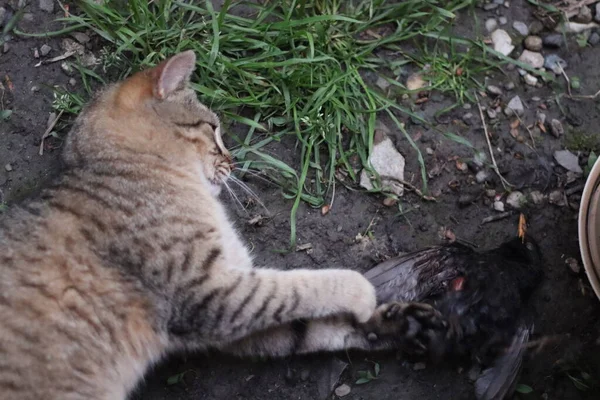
(565, 303)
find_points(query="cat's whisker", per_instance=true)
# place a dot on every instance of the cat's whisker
(234, 196)
(249, 191)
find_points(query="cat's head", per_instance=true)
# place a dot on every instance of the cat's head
(153, 113)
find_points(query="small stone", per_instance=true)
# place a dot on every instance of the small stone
(490, 6)
(47, 5)
(573, 265)
(415, 82)
(8, 167)
(554, 40)
(5, 48)
(491, 24)
(521, 27)
(467, 118)
(536, 27)
(530, 80)
(389, 201)
(494, 90)
(382, 83)
(490, 193)
(491, 113)
(536, 98)
(594, 38)
(419, 366)
(67, 69)
(514, 106)
(536, 60)
(429, 150)
(555, 64)
(516, 199)
(536, 197)
(568, 161)
(557, 198)
(498, 206)
(522, 72)
(36, 53)
(556, 128)
(481, 176)
(533, 43)
(45, 49)
(342, 390)
(503, 20)
(80, 37)
(540, 117)
(502, 42)
(72, 82)
(509, 86)
(584, 15)
(35, 89)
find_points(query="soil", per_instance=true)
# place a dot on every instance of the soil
(565, 303)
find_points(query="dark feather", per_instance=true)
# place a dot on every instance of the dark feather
(480, 294)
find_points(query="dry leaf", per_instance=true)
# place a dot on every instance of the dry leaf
(542, 127)
(9, 83)
(514, 132)
(522, 227)
(515, 124)
(325, 209)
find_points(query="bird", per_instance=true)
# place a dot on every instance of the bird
(481, 296)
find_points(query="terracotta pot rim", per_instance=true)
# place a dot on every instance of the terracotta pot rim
(589, 228)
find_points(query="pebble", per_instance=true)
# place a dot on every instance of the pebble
(481, 176)
(382, 83)
(494, 90)
(521, 27)
(415, 81)
(516, 199)
(429, 151)
(536, 197)
(555, 63)
(490, 6)
(72, 82)
(584, 15)
(536, 27)
(47, 5)
(498, 206)
(467, 118)
(491, 24)
(509, 86)
(594, 38)
(556, 128)
(342, 390)
(45, 49)
(36, 53)
(530, 80)
(35, 89)
(555, 40)
(491, 113)
(536, 60)
(557, 198)
(6, 47)
(466, 106)
(514, 106)
(540, 117)
(490, 193)
(573, 265)
(80, 37)
(597, 17)
(66, 68)
(533, 43)
(8, 167)
(502, 42)
(503, 20)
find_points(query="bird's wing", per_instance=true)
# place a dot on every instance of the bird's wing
(499, 381)
(418, 275)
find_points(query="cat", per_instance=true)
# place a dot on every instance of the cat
(130, 256)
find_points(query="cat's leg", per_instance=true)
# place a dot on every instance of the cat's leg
(411, 327)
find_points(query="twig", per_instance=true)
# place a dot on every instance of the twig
(504, 182)
(497, 217)
(566, 78)
(410, 186)
(47, 133)
(527, 129)
(588, 96)
(57, 58)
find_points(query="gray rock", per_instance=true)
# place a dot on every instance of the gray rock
(502, 42)
(536, 197)
(35, 89)
(8, 167)
(584, 15)
(72, 82)
(557, 198)
(536, 27)
(66, 68)
(468, 118)
(509, 86)
(466, 106)
(382, 83)
(516, 199)
(45, 49)
(47, 5)
(554, 40)
(594, 38)
(5, 47)
(533, 43)
(491, 24)
(482, 176)
(498, 206)
(540, 117)
(521, 27)
(597, 17)
(555, 64)
(532, 58)
(503, 20)
(490, 6)
(514, 107)
(568, 161)
(494, 90)
(80, 37)
(491, 113)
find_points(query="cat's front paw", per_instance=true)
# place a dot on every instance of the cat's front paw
(359, 296)
(415, 328)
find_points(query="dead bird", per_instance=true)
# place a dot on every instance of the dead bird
(482, 297)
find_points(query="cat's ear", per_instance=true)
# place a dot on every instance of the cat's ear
(173, 73)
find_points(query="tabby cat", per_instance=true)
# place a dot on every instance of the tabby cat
(130, 256)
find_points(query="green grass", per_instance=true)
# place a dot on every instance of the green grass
(294, 69)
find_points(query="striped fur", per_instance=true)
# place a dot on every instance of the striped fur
(130, 255)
